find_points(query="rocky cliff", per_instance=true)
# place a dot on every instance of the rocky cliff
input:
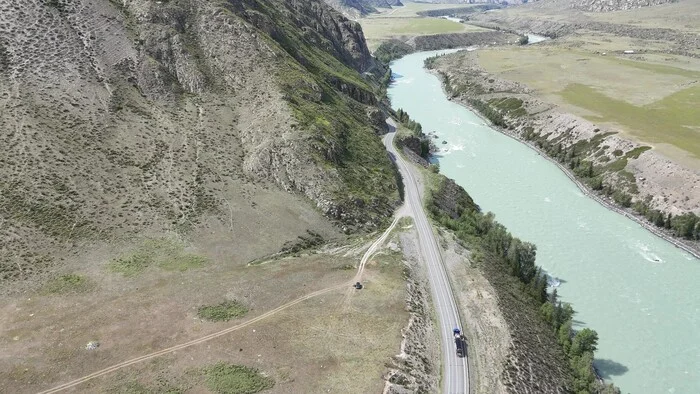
(132, 117)
(615, 5)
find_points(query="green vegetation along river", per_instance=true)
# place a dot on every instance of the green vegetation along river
(638, 291)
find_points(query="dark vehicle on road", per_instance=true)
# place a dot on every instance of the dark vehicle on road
(460, 343)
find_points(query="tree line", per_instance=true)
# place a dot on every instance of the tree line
(486, 236)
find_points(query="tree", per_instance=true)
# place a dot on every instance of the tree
(684, 225)
(553, 297)
(547, 310)
(565, 336)
(596, 183)
(583, 372)
(584, 341)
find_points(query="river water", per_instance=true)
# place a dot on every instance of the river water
(534, 38)
(640, 293)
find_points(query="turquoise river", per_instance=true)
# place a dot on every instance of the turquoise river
(639, 292)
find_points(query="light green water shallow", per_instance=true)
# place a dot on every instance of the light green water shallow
(639, 292)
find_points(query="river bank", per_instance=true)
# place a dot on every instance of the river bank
(670, 188)
(585, 189)
(636, 290)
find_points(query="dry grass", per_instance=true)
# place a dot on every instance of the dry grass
(340, 340)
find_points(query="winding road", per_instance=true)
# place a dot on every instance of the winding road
(455, 378)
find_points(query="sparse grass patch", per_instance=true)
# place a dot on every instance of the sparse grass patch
(673, 120)
(65, 284)
(388, 258)
(634, 153)
(512, 106)
(164, 253)
(129, 387)
(224, 311)
(404, 222)
(617, 165)
(229, 378)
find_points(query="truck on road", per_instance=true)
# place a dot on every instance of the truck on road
(460, 343)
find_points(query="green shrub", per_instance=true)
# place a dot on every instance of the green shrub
(164, 253)
(71, 283)
(229, 379)
(225, 311)
(634, 153)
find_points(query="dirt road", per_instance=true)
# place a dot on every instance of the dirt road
(347, 285)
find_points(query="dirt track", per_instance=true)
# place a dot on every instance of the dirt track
(370, 251)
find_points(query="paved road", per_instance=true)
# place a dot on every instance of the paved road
(455, 369)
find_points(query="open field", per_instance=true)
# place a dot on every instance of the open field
(381, 28)
(339, 341)
(411, 9)
(405, 22)
(652, 98)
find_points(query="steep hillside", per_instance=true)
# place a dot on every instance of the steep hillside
(137, 118)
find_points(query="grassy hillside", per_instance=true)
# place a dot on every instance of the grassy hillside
(172, 169)
(139, 119)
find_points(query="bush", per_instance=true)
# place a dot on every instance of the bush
(225, 311)
(226, 378)
(71, 283)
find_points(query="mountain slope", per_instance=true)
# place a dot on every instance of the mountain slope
(136, 118)
(357, 8)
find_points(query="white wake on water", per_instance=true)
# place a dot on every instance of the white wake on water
(648, 255)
